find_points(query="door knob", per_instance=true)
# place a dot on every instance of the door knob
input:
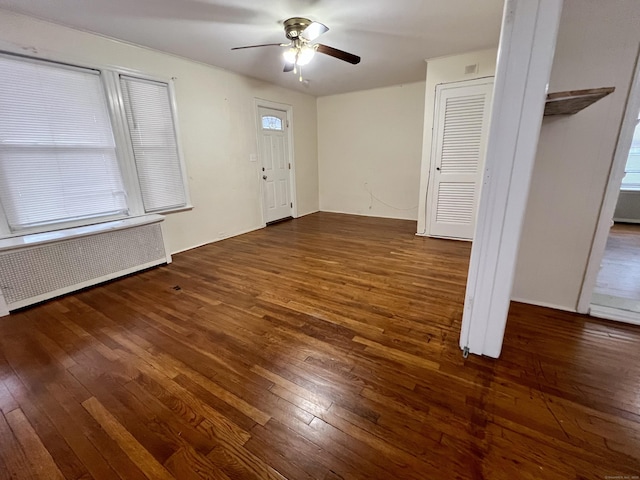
(264, 177)
(438, 168)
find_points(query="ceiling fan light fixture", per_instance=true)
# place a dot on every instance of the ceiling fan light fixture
(300, 51)
(305, 55)
(290, 55)
(300, 55)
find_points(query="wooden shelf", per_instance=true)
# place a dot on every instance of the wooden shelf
(570, 102)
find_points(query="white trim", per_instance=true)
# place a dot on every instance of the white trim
(183, 164)
(288, 109)
(33, 239)
(308, 213)
(442, 237)
(219, 239)
(369, 215)
(610, 313)
(542, 304)
(133, 180)
(625, 220)
(124, 148)
(525, 57)
(612, 192)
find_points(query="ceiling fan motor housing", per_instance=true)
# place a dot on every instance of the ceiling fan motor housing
(293, 27)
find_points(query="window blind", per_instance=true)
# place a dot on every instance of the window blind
(150, 119)
(57, 152)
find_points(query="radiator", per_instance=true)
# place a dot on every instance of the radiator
(42, 266)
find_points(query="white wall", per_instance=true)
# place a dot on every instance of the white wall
(216, 119)
(369, 145)
(597, 47)
(445, 70)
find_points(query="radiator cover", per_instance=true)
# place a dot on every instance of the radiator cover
(30, 274)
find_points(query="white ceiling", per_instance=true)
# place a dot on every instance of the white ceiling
(392, 37)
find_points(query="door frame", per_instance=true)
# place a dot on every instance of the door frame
(288, 110)
(432, 159)
(612, 192)
(525, 56)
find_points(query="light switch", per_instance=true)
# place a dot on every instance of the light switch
(253, 157)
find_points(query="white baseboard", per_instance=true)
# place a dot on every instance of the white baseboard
(308, 213)
(610, 313)
(249, 230)
(626, 220)
(544, 304)
(367, 215)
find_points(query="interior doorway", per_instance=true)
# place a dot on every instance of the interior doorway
(611, 288)
(617, 291)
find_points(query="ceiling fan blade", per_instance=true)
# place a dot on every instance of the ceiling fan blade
(313, 31)
(340, 54)
(256, 46)
(288, 67)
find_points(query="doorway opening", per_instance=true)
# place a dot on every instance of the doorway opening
(611, 287)
(617, 290)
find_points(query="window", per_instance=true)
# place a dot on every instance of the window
(271, 123)
(57, 152)
(148, 109)
(631, 180)
(61, 164)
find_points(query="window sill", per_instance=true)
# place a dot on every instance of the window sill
(33, 239)
(630, 189)
(186, 208)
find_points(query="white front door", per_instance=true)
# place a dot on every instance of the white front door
(461, 125)
(274, 155)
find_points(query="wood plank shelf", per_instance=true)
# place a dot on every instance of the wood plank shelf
(570, 102)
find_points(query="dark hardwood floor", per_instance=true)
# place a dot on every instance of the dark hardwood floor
(320, 348)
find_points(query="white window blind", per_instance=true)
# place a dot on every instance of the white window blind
(149, 116)
(57, 152)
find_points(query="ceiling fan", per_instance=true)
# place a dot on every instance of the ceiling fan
(299, 51)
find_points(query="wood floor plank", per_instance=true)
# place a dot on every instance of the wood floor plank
(321, 348)
(222, 427)
(240, 464)
(126, 441)
(39, 457)
(15, 459)
(187, 464)
(292, 387)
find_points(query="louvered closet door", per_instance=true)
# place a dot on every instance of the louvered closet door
(459, 142)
